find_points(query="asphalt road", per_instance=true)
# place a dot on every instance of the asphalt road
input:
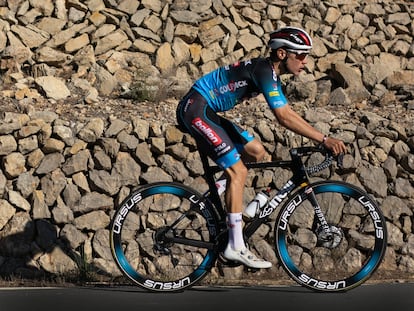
(366, 297)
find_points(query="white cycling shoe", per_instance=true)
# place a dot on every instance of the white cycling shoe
(246, 257)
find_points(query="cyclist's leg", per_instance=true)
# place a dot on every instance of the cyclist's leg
(223, 141)
(253, 151)
(250, 148)
(236, 178)
(236, 248)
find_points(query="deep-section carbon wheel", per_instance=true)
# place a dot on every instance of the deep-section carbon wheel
(336, 246)
(163, 237)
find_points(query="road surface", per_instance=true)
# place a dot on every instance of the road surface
(396, 296)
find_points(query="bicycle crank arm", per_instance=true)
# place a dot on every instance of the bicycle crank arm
(190, 242)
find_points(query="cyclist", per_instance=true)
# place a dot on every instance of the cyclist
(228, 144)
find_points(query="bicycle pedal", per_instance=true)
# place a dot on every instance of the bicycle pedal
(252, 270)
(247, 219)
(228, 263)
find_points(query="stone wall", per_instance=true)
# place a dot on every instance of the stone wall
(87, 49)
(61, 179)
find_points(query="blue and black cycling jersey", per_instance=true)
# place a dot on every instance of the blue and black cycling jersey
(221, 139)
(224, 87)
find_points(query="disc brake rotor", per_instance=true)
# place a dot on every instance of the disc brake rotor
(330, 239)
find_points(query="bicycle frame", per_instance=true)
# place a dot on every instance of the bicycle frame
(300, 179)
(336, 256)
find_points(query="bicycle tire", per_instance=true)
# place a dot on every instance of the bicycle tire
(352, 254)
(143, 230)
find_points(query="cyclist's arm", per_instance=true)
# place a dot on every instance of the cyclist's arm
(271, 88)
(288, 118)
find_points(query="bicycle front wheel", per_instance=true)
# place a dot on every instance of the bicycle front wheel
(334, 245)
(163, 237)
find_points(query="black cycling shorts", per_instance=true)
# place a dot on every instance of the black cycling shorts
(219, 138)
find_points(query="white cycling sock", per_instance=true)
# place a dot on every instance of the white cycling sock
(235, 224)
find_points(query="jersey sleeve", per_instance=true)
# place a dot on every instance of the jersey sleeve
(274, 94)
(271, 87)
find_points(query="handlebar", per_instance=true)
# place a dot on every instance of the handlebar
(308, 150)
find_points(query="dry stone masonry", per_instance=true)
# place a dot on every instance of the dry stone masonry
(61, 178)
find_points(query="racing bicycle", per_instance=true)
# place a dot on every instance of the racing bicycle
(328, 235)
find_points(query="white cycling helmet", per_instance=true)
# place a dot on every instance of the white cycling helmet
(290, 38)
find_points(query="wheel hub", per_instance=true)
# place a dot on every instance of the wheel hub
(330, 238)
(162, 242)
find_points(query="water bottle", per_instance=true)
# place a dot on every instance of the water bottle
(221, 186)
(257, 203)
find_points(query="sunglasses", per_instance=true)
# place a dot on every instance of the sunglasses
(301, 55)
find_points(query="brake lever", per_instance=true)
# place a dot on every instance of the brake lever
(340, 160)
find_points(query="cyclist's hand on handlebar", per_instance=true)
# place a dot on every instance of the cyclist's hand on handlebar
(335, 145)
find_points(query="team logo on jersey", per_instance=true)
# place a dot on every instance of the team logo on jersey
(275, 76)
(278, 103)
(213, 94)
(237, 156)
(232, 86)
(235, 65)
(206, 131)
(274, 93)
(189, 102)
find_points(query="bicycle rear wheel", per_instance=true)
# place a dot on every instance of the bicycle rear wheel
(163, 237)
(337, 259)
